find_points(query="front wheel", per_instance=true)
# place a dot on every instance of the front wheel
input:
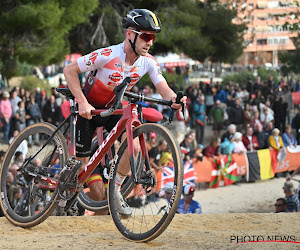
(151, 208)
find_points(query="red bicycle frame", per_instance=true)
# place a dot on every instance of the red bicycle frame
(128, 120)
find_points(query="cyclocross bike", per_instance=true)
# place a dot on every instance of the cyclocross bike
(49, 167)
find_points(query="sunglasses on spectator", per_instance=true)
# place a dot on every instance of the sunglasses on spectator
(145, 36)
(278, 205)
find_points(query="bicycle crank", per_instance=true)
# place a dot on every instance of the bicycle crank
(68, 179)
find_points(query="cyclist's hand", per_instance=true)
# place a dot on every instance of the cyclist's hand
(85, 110)
(178, 105)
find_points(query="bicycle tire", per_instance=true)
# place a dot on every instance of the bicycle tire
(96, 206)
(135, 227)
(36, 195)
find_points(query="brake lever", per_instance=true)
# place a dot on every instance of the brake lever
(178, 98)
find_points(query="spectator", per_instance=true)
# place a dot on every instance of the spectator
(266, 91)
(258, 99)
(293, 204)
(23, 147)
(275, 140)
(250, 140)
(227, 146)
(187, 146)
(255, 120)
(288, 138)
(239, 146)
(14, 100)
(155, 155)
(44, 100)
(280, 112)
(5, 114)
(281, 205)
(199, 116)
(199, 152)
(296, 125)
(50, 112)
(34, 115)
(213, 148)
(168, 188)
(266, 116)
(247, 116)
(21, 116)
(249, 87)
(187, 205)
(217, 117)
(286, 93)
(231, 129)
(236, 115)
(261, 136)
(152, 141)
(297, 86)
(220, 94)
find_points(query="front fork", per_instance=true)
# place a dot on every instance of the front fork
(143, 178)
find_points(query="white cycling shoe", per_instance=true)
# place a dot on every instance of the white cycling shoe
(121, 206)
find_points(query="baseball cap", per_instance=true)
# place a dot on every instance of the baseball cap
(188, 189)
(152, 135)
(5, 94)
(288, 185)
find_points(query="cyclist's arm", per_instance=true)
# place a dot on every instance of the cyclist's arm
(71, 72)
(168, 94)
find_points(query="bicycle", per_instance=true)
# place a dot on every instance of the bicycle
(146, 222)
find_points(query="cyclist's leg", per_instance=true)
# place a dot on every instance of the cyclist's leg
(97, 191)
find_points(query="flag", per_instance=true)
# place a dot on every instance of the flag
(168, 175)
(261, 164)
(189, 173)
(225, 170)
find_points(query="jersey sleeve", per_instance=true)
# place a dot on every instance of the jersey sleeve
(94, 60)
(154, 71)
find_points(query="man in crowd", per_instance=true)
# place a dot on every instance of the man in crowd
(187, 205)
(217, 117)
(281, 205)
(250, 140)
(293, 204)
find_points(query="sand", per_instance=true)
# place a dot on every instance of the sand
(244, 210)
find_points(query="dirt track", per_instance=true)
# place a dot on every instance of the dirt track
(185, 232)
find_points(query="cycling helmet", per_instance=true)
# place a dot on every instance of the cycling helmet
(142, 19)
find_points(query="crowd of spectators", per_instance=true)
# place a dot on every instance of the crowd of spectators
(20, 108)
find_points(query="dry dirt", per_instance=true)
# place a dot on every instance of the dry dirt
(185, 232)
(229, 212)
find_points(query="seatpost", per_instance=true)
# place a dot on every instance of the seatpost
(72, 150)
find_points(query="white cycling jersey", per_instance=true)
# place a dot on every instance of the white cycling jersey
(107, 70)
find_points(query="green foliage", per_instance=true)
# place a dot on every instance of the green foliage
(242, 76)
(31, 83)
(36, 31)
(25, 69)
(290, 62)
(170, 78)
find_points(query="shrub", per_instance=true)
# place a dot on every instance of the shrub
(31, 83)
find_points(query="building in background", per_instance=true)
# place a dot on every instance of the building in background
(269, 30)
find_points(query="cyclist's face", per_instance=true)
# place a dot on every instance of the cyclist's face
(141, 46)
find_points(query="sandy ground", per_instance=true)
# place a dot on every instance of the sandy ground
(229, 212)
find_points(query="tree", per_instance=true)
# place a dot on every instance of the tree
(36, 31)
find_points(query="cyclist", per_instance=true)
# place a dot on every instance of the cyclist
(108, 67)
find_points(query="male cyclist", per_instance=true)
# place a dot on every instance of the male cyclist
(108, 68)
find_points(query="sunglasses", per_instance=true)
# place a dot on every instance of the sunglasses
(278, 205)
(145, 36)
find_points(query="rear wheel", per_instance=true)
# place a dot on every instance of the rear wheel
(151, 209)
(26, 199)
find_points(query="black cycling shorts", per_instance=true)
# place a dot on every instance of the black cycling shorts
(85, 130)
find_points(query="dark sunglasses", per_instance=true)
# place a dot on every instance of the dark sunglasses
(145, 36)
(278, 205)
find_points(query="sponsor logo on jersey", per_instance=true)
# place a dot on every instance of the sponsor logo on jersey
(90, 80)
(115, 77)
(92, 59)
(135, 77)
(118, 65)
(105, 52)
(158, 70)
